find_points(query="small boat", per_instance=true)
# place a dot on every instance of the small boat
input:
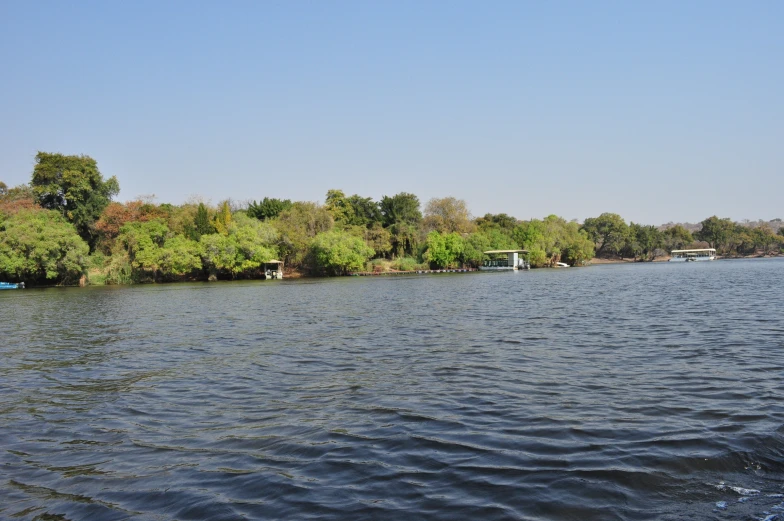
(561, 265)
(502, 260)
(704, 254)
(11, 285)
(273, 269)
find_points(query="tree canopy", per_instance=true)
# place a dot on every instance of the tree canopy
(73, 186)
(41, 246)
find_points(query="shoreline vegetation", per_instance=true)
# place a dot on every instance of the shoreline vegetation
(63, 228)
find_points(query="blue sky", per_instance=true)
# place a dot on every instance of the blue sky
(658, 111)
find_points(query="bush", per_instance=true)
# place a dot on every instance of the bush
(407, 264)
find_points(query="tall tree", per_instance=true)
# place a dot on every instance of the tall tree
(202, 223)
(268, 208)
(717, 232)
(74, 186)
(400, 208)
(448, 215)
(608, 232)
(677, 237)
(222, 220)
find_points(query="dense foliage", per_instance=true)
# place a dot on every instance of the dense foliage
(41, 246)
(73, 186)
(47, 229)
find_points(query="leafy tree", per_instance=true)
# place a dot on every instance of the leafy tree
(298, 226)
(3, 189)
(677, 238)
(338, 206)
(222, 220)
(399, 209)
(643, 241)
(365, 211)
(379, 238)
(608, 232)
(41, 246)
(404, 239)
(353, 210)
(501, 221)
(718, 233)
(268, 208)
(73, 186)
(337, 252)
(764, 238)
(248, 244)
(180, 256)
(448, 215)
(16, 199)
(443, 250)
(202, 223)
(475, 244)
(576, 247)
(115, 215)
(153, 251)
(552, 240)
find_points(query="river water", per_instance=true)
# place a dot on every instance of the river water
(646, 391)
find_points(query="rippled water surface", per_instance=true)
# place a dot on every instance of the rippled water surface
(650, 391)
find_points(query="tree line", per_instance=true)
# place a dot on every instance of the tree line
(64, 228)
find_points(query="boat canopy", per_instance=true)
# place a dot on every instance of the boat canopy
(491, 252)
(713, 250)
(273, 261)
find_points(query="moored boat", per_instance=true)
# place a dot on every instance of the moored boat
(703, 254)
(12, 285)
(503, 260)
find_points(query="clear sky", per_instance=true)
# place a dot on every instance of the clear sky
(659, 111)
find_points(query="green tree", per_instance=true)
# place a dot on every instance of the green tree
(718, 233)
(677, 237)
(202, 223)
(180, 256)
(609, 233)
(222, 221)
(379, 238)
(337, 252)
(141, 243)
(501, 221)
(243, 251)
(353, 210)
(365, 210)
(475, 244)
(41, 246)
(443, 250)
(448, 215)
(552, 240)
(399, 209)
(764, 238)
(73, 186)
(643, 242)
(298, 226)
(268, 208)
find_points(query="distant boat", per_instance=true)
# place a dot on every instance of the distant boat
(561, 265)
(704, 254)
(11, 285)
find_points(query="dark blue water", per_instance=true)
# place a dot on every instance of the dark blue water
(648, 391)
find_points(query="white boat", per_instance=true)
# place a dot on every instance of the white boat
(561, 265)
(504, 260)
(704, 254)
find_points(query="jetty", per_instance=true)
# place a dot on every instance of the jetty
(412, 272)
